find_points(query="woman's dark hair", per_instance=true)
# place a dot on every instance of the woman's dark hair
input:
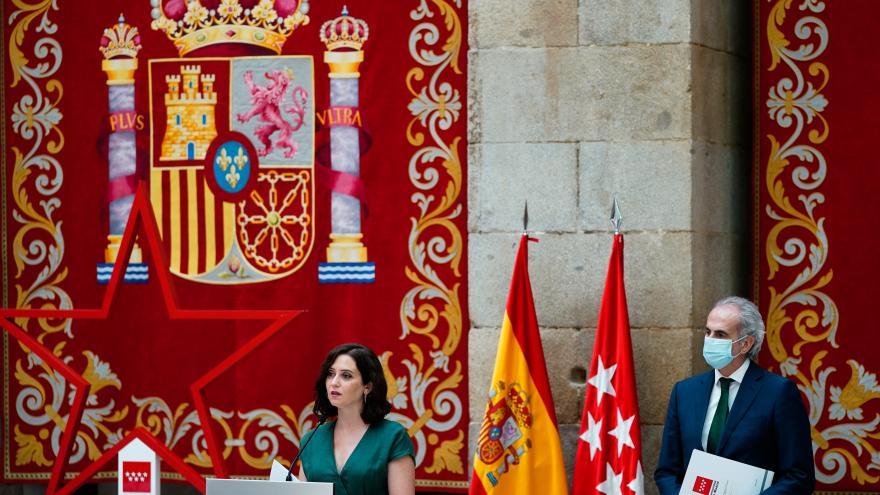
(376, 405)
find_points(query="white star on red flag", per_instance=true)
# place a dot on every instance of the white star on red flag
(622, 432)
(602, 380)
(593, 435)
(611, 485)
(637, 485)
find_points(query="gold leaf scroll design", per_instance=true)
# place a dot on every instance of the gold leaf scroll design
(448, 456)
(434, 403)
(44, 394)
(797, 103)
(38, 246)
(264, 434)
(155, 415)
(431, 309)
(857, 436)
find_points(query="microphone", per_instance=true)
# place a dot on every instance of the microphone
(289, 477)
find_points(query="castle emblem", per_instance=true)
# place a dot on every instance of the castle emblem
(189, 104)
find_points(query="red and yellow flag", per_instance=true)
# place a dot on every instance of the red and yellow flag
(518, 449)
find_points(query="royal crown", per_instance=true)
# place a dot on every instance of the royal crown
(121, 40)
(195, 24)
(344, 32)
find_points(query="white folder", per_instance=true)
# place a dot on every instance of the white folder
(709, 474)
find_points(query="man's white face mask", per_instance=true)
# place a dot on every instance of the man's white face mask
(718, 353)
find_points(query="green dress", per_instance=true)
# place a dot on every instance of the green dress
(366, 470)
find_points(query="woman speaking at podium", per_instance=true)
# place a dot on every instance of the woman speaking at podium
(360, 452)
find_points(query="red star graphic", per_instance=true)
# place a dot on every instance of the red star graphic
(141, 217)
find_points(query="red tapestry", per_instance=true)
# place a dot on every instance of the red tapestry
(815, 183)
(282, 176)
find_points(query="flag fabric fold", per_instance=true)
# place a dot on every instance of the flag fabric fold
(609, 446)
(518, 448)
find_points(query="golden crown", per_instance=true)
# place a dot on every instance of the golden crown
(344, 32)
(264, 23)
(121, 40)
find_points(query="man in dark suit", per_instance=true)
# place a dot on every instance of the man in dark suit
(738, 411)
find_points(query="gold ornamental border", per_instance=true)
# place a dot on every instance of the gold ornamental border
(802, 318)
(38, 247)
(432, 308)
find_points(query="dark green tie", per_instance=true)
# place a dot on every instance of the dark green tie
(720, 417)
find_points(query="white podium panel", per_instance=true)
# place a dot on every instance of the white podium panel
(138, 468)
(263, 487)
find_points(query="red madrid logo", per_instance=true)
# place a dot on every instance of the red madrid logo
(135, 476)
(703, 485)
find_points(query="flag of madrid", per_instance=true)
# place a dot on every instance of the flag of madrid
(609, 447)
(135, 477)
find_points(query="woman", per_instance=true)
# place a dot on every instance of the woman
(360, 452)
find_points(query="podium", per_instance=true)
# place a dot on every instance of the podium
(263, 487)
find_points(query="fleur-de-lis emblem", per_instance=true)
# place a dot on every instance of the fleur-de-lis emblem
(241, 159)
(233, 177)
(224, 159)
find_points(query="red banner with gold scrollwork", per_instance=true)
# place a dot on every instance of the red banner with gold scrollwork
(816, 212)
(239, 119)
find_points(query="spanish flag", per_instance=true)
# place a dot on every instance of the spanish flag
(518, 448)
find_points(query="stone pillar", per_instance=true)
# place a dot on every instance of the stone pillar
(575, 101)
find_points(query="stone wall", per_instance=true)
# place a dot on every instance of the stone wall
(572, 102)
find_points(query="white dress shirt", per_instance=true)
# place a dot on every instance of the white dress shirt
(737, 377)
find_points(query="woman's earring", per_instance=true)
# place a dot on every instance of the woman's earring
(365, 398)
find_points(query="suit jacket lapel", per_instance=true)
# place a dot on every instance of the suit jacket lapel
(748, 390)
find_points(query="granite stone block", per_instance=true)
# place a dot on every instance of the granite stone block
(634, 21)
(567, 273)
(721, 107)
(494, 23)
(651, 180)
(502, 178)
(583, 94)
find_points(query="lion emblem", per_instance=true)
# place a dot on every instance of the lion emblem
(267, 102)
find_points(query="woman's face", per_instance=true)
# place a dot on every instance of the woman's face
(345, 386)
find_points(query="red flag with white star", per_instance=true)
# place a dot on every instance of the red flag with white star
(610, 447)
